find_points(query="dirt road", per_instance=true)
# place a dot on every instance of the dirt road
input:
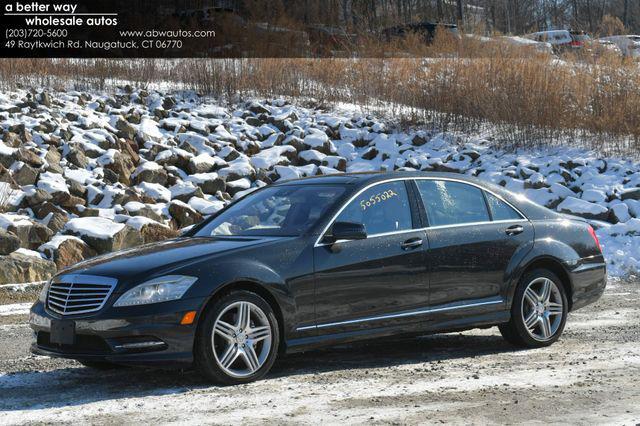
(591, 376)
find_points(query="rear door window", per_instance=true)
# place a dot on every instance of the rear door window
(452, 203)
(382, 208)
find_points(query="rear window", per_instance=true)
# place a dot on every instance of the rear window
(452, 203)
(501, 210)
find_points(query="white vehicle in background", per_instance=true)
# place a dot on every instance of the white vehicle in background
(559, 40)
(629, 44)
(542, 47)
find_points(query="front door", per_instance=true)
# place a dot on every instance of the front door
(369, 283)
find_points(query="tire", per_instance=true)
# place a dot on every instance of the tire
(99, 365)
(537, 321)
(229, 351)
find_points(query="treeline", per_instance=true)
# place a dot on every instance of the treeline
(481, 16)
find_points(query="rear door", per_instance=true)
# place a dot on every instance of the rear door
(368, 283)
(473, 235)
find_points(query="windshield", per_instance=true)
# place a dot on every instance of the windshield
(275, 211)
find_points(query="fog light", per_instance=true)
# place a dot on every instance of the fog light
(188, 318)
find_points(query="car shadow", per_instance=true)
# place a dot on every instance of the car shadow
(35, 390)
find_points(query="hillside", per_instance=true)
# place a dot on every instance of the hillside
(88, 173)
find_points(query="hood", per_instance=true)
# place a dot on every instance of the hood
(152, 259)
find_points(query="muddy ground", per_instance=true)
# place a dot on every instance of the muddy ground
(592, 375)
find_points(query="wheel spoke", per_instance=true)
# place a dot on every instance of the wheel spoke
(229, 356)
(546, 327)
(554, 309)
(257, 334)
(225, 330)
(531, 296)
(244, 316)
(531, 320)
(545, 293)
(251, 358)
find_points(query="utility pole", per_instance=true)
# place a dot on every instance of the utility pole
(460, 13)
(625, 16)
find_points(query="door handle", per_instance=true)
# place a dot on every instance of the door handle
(514, 230)
(411, 244)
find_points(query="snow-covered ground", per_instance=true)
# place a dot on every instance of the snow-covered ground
(98, 172)
(590, 376)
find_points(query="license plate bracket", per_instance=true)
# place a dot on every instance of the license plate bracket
(63, 332)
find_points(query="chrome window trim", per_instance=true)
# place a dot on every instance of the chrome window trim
(83, 279)
(443, 308)
(523, 218)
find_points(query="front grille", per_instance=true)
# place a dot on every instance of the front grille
(79, 294)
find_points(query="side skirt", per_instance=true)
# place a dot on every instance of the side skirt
(445, 318)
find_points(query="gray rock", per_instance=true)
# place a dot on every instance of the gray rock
(32, 236)
(151, 176)
(630, 194)
(69, 252)
(28, 156)
(370, 154)
(26, 175)
(20, 268)
(213, 186)
(78, 158)
(9, 242)
(38, 197)
(153, 232)
(125, 129)
(127, 237)
(183, 214)
(57, 221)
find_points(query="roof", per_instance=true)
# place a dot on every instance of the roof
(369, 177)
(359, 180)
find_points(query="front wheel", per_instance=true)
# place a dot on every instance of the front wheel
(539, 311)
(238, 339)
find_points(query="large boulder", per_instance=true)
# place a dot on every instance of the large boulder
(9, 242)
(582, 208)
(28, 156)
(150, 230)
(120, 163)
(102, 234)
(183, 214)
(67, 250)
(30, 234)
(23, 267)
(150, 172)
(26, 175)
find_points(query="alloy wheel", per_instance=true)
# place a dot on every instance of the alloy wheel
(542, 309)
(241, 339)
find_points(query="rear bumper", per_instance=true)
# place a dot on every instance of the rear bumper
(588, 281)
(143, 335)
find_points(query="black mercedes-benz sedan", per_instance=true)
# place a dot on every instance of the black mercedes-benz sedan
(321, 261)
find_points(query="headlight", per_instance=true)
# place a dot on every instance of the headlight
(162, 289)
(43, 293)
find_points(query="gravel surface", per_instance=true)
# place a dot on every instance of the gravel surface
(590, 376)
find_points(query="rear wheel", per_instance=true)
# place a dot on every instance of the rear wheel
(539, 311)
(238, 339)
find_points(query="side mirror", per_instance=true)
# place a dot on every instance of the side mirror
(347, 231)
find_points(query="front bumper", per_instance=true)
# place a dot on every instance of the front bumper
(137, 335)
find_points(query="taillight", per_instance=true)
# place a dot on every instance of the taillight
(595, 237)
(576, 43)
